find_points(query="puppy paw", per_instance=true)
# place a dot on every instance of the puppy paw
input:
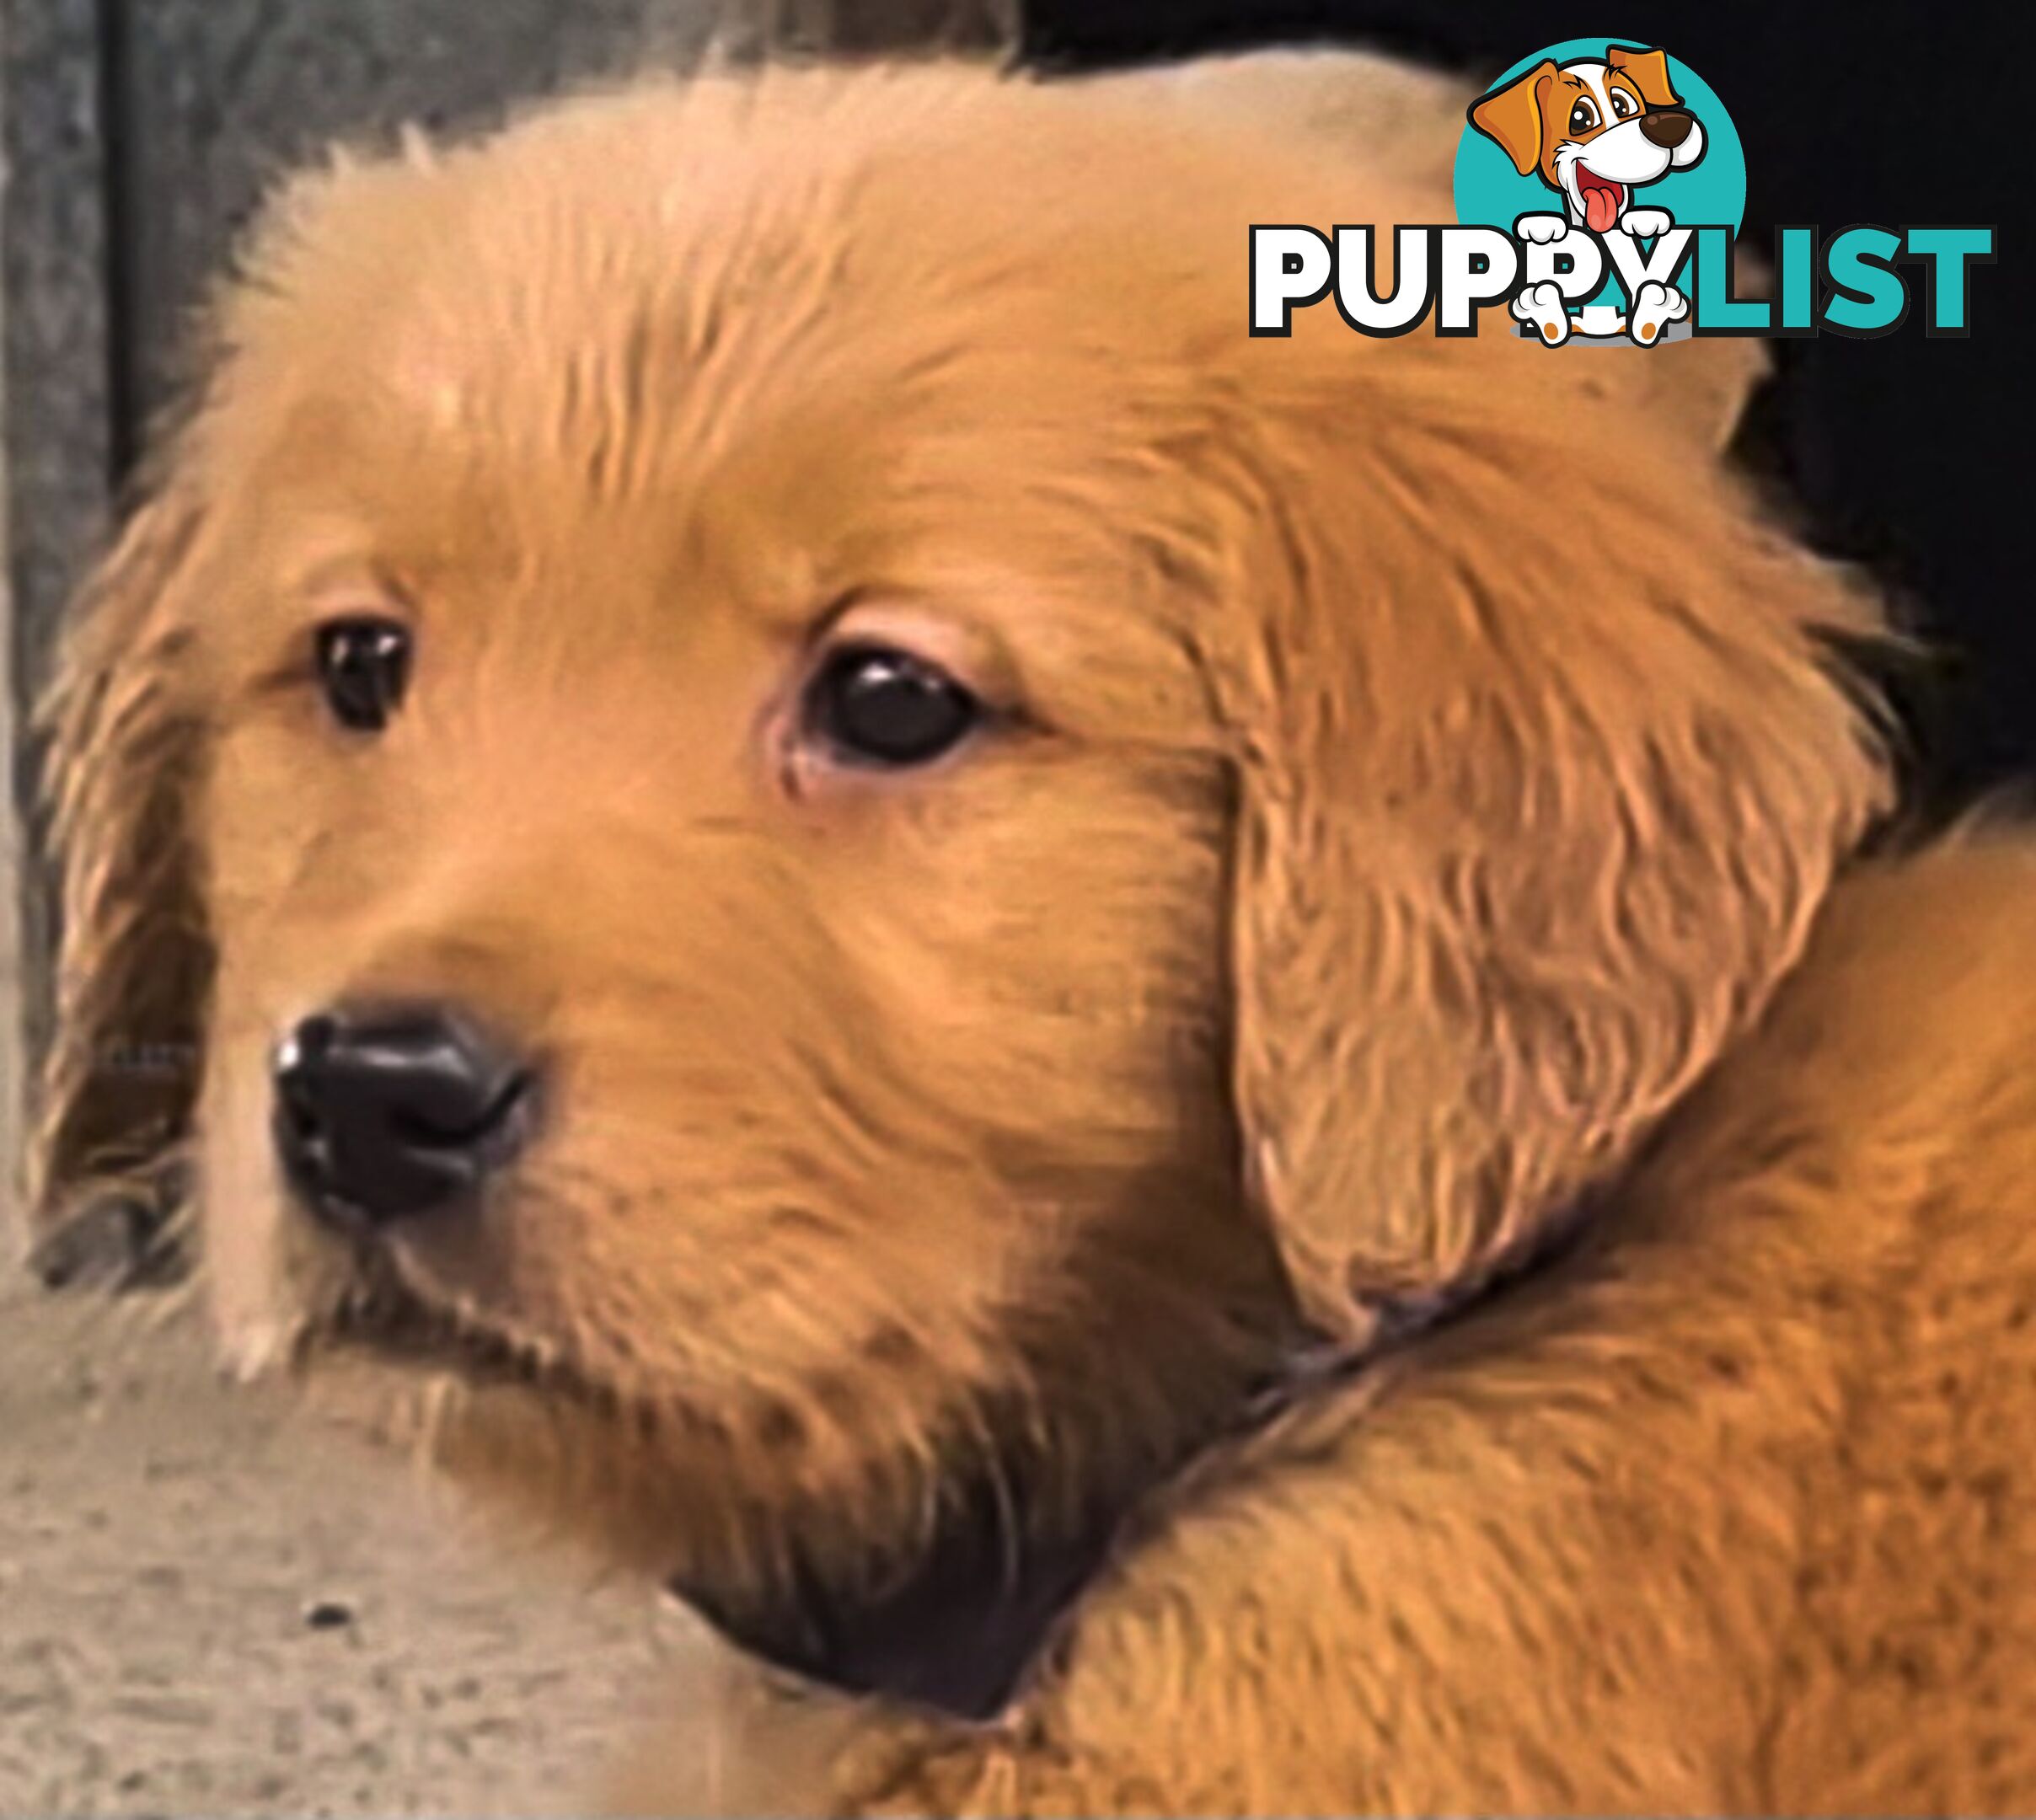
(1543, 230)
(995, 1774)
(1542, 305)
(1644, 223)
(1656, 306)
(742, 1740)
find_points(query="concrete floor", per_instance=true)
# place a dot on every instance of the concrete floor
(210, 1603)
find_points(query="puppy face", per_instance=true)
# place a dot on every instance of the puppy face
(968, 840)
(872, 1069)
(1593, 132)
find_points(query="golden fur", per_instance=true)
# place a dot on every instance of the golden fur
(1417, 826)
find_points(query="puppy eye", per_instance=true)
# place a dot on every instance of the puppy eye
(873, 705)
(1583, 117)
(364, 668)
(1623, 104)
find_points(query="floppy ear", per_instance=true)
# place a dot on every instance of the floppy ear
(134, 961)
(1695, 389)
(1543, 774)
(1649, 70)
(1389, 113)
(1512, 116)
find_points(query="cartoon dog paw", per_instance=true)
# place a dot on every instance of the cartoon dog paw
(1656, 306)
(1543, 230)
(1542, 305)
(1644, 223)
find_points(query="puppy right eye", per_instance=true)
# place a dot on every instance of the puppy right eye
(877, 706)
(364, 669)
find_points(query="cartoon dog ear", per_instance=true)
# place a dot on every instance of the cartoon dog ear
(1511, 116)
(134, 966)
(1649, 70)
(1515, 858)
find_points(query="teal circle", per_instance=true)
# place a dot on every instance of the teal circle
(1491, 193)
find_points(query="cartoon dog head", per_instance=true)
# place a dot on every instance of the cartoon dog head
(1593, 132)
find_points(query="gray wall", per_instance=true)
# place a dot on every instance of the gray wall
(138, 135)
(10, 860)
(58, 448)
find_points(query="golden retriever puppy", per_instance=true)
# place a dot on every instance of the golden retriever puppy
(1165, 1053)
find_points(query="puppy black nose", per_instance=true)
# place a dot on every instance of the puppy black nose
(386, 1114)
(1667, 127)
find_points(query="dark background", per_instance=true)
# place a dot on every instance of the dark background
(1910, 454)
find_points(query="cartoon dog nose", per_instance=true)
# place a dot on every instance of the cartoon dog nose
(384, 1114)
(1667, 127)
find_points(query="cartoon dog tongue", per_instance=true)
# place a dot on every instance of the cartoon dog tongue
(1600, 201)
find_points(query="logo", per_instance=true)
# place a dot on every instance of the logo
(1599, 188)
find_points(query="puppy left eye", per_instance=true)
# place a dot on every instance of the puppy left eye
(364, 669)
(871, 704)
(1623, 104)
